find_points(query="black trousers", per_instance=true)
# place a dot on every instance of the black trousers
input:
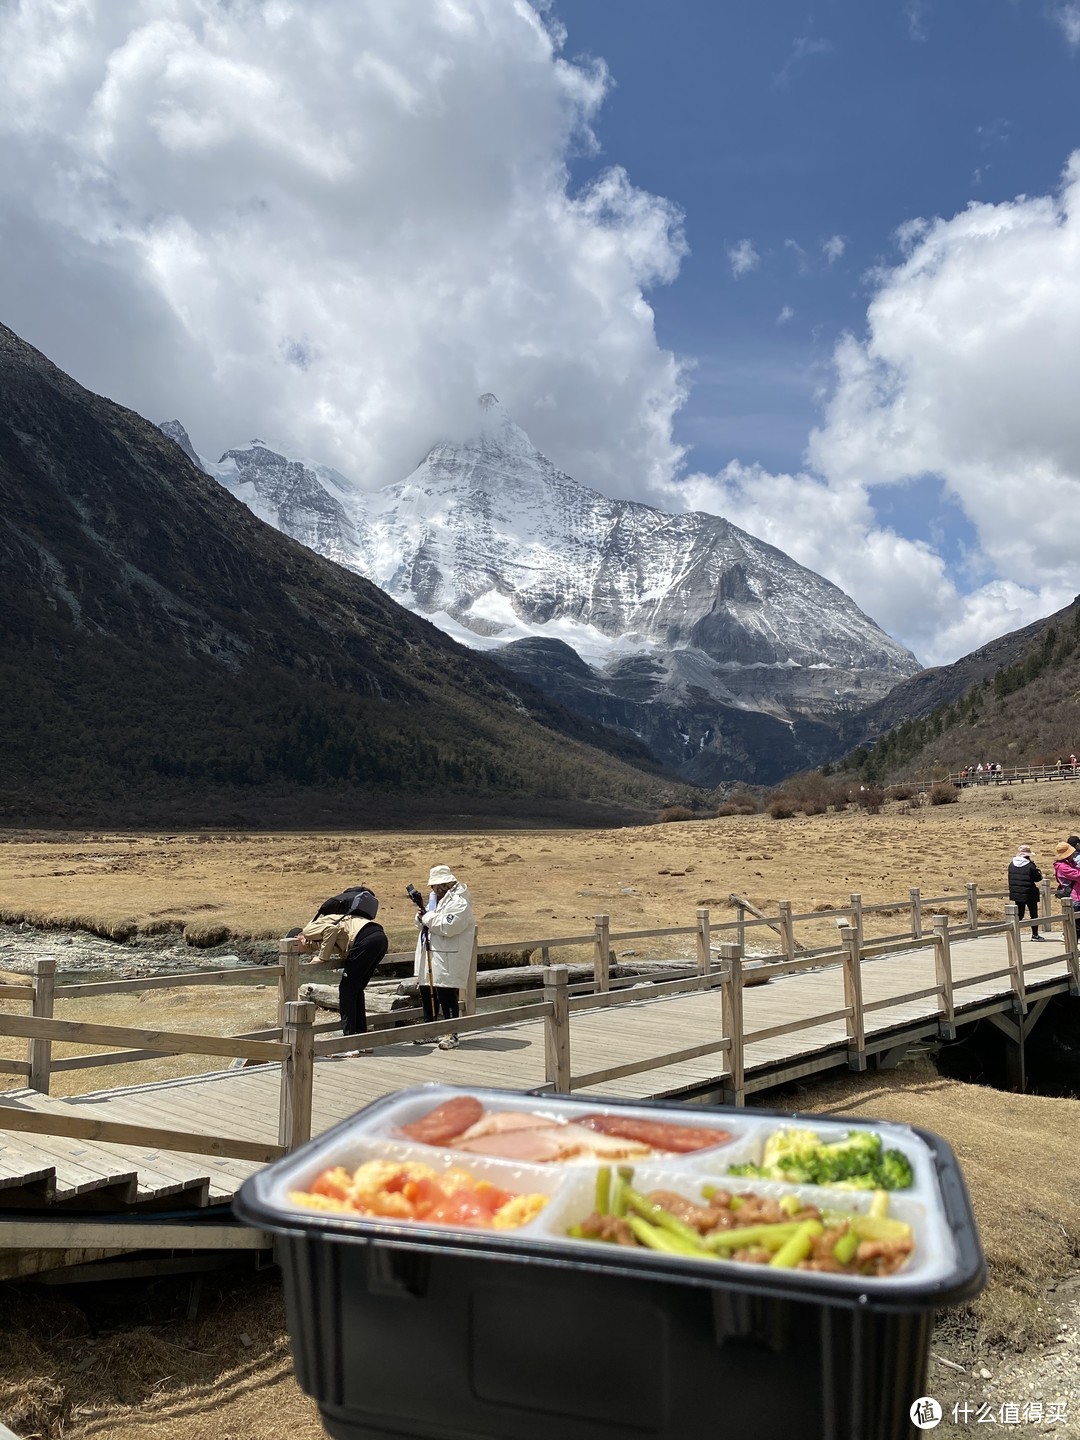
(442, 997)
(1032, 908)
(354, 977)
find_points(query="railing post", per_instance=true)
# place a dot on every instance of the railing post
(557, 1028)
(1016, 956)
(38, 1051)
(943, 968)
(856, 1029)
(731, 1019)
(704, 942)
(1044, 895)
(297, 1074)
(601, 954)
(857, 918)
(972, 906)
(468, 1000)
(289, 979)
(740, 927)
(787, 927)
(916, 912)
(1068, 935)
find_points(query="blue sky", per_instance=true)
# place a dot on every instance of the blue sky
(815, 269)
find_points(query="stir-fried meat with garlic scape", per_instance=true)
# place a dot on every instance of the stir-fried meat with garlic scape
(752, 1229)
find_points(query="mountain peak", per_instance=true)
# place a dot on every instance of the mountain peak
(176, 432)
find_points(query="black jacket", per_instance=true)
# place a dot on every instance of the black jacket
(1024, 881)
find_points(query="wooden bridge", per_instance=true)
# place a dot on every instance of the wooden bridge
(143, 1168)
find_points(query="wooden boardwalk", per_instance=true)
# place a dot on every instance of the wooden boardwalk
(244, 1103)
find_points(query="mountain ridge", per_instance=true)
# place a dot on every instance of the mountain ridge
(736, 655)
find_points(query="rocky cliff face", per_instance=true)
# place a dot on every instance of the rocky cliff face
(705, 642)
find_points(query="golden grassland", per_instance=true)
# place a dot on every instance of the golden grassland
(526, 884)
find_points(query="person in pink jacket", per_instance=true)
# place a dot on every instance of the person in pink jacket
(1066, 871)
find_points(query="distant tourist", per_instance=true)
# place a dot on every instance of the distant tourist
(444, 949)
(1072, 763)
(349, 939)
(1024, 877)
(1059, 765)
(979, 773)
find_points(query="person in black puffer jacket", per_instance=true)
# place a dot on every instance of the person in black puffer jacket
(1024, 877)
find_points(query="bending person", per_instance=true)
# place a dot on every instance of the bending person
(363, 942)
(444, 949)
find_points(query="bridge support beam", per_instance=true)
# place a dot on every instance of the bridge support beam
(1016, 1030)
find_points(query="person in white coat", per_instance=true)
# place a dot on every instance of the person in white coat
(444, 949)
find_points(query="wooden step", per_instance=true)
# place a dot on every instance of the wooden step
(132, 1175)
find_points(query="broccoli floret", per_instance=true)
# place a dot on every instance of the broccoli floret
(895, 1172)
(856, 1162)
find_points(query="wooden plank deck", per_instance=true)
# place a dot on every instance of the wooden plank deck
(245, 1102)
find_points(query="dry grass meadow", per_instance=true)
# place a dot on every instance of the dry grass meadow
(526, 885)
(159, 1376)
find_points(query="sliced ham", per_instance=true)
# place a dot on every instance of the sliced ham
(532, 1146)
(499, 1121)
(657, 1134)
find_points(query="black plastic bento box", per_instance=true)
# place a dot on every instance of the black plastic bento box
(405, 1328)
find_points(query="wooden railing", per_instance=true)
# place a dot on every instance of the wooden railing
(1015, 775)
(295, 1043)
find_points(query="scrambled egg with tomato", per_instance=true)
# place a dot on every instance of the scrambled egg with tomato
(407, 1190)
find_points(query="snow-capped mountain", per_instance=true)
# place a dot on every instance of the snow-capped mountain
(494, 544)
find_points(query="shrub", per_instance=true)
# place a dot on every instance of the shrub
(728, 808)
(870, 798)
(747, 804)
(901, 792)
(944, 793)
(781, 808)
(674, 812)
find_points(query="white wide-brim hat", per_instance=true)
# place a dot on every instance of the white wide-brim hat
(441, 875)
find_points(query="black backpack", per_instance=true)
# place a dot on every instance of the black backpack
(356, 900)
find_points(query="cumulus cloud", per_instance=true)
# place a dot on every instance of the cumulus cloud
(786, 314)
(335, 221)
(969, 370)
(743, 258)
(833, 248)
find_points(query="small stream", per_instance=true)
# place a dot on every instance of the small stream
(81, 956)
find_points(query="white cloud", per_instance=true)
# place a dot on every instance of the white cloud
(915, 15)
(804, 48)
(1068, 18)
(833, 248)
(969, 370)
(786, 314)
(333, 220)
(743, 258)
